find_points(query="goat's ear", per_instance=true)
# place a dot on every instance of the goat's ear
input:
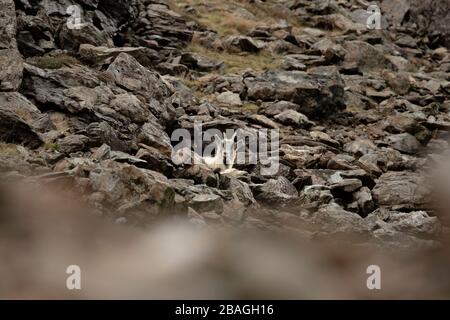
(217, 140)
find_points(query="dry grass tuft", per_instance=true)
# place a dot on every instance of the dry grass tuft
(53, 62)
(236, 16)
(238, 62)
(7, 149)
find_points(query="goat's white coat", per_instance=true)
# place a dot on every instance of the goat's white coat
(224, 158)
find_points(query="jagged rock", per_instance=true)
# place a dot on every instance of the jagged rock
(242, 192)
(301, 156)
(263, 120)
(431, 18)
(72, 38)
(152, 134)
(339, 162)
(197, 62)
(229, 98)
(276, 191)
(290, 63)
(97, 55)
(386, 159)
(35, 34)
(102, 133)
(132, 190)
(398, 81)
(52, 87)
(396, 11)
(218, 83)
(324, 138)
(308, 60)
(131, 75)
(360, 147)
(119, 12)
(274, 108)
(155, 160)
(20, 120)
(24, 109)
(294, 118)
(365, 56)
(15, 130)
(242, 43)
(124, 157)
(411, 191)
(79, 91)
(158, 24)
(240, 189)
(199, 173)
(405, 123)
(415, 223)
(314, 196)
(102, 153)
(316, 95)
(404, 142)
(346, 186)
(130, 107)
(172, 69)
(73, 143)
(333, 218)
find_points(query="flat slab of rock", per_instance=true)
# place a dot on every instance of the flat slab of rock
(365, 56)
(207, 202)
(95, 55)
(276, 191)
(346, 185)
(404, 142)
(333, 218)
(317, 95)
(229, 98)
(401, 190)
(73, 143)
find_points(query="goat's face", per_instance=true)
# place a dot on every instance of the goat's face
(182, 156)
(229, 150)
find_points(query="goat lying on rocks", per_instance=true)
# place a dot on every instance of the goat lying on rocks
(216, 162)
(223, 160)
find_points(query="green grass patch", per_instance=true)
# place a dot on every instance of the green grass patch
(51, 147)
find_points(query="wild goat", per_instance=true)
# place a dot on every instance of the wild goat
(225, 154)
(223, 160)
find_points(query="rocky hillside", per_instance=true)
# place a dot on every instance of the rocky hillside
(362, 114)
